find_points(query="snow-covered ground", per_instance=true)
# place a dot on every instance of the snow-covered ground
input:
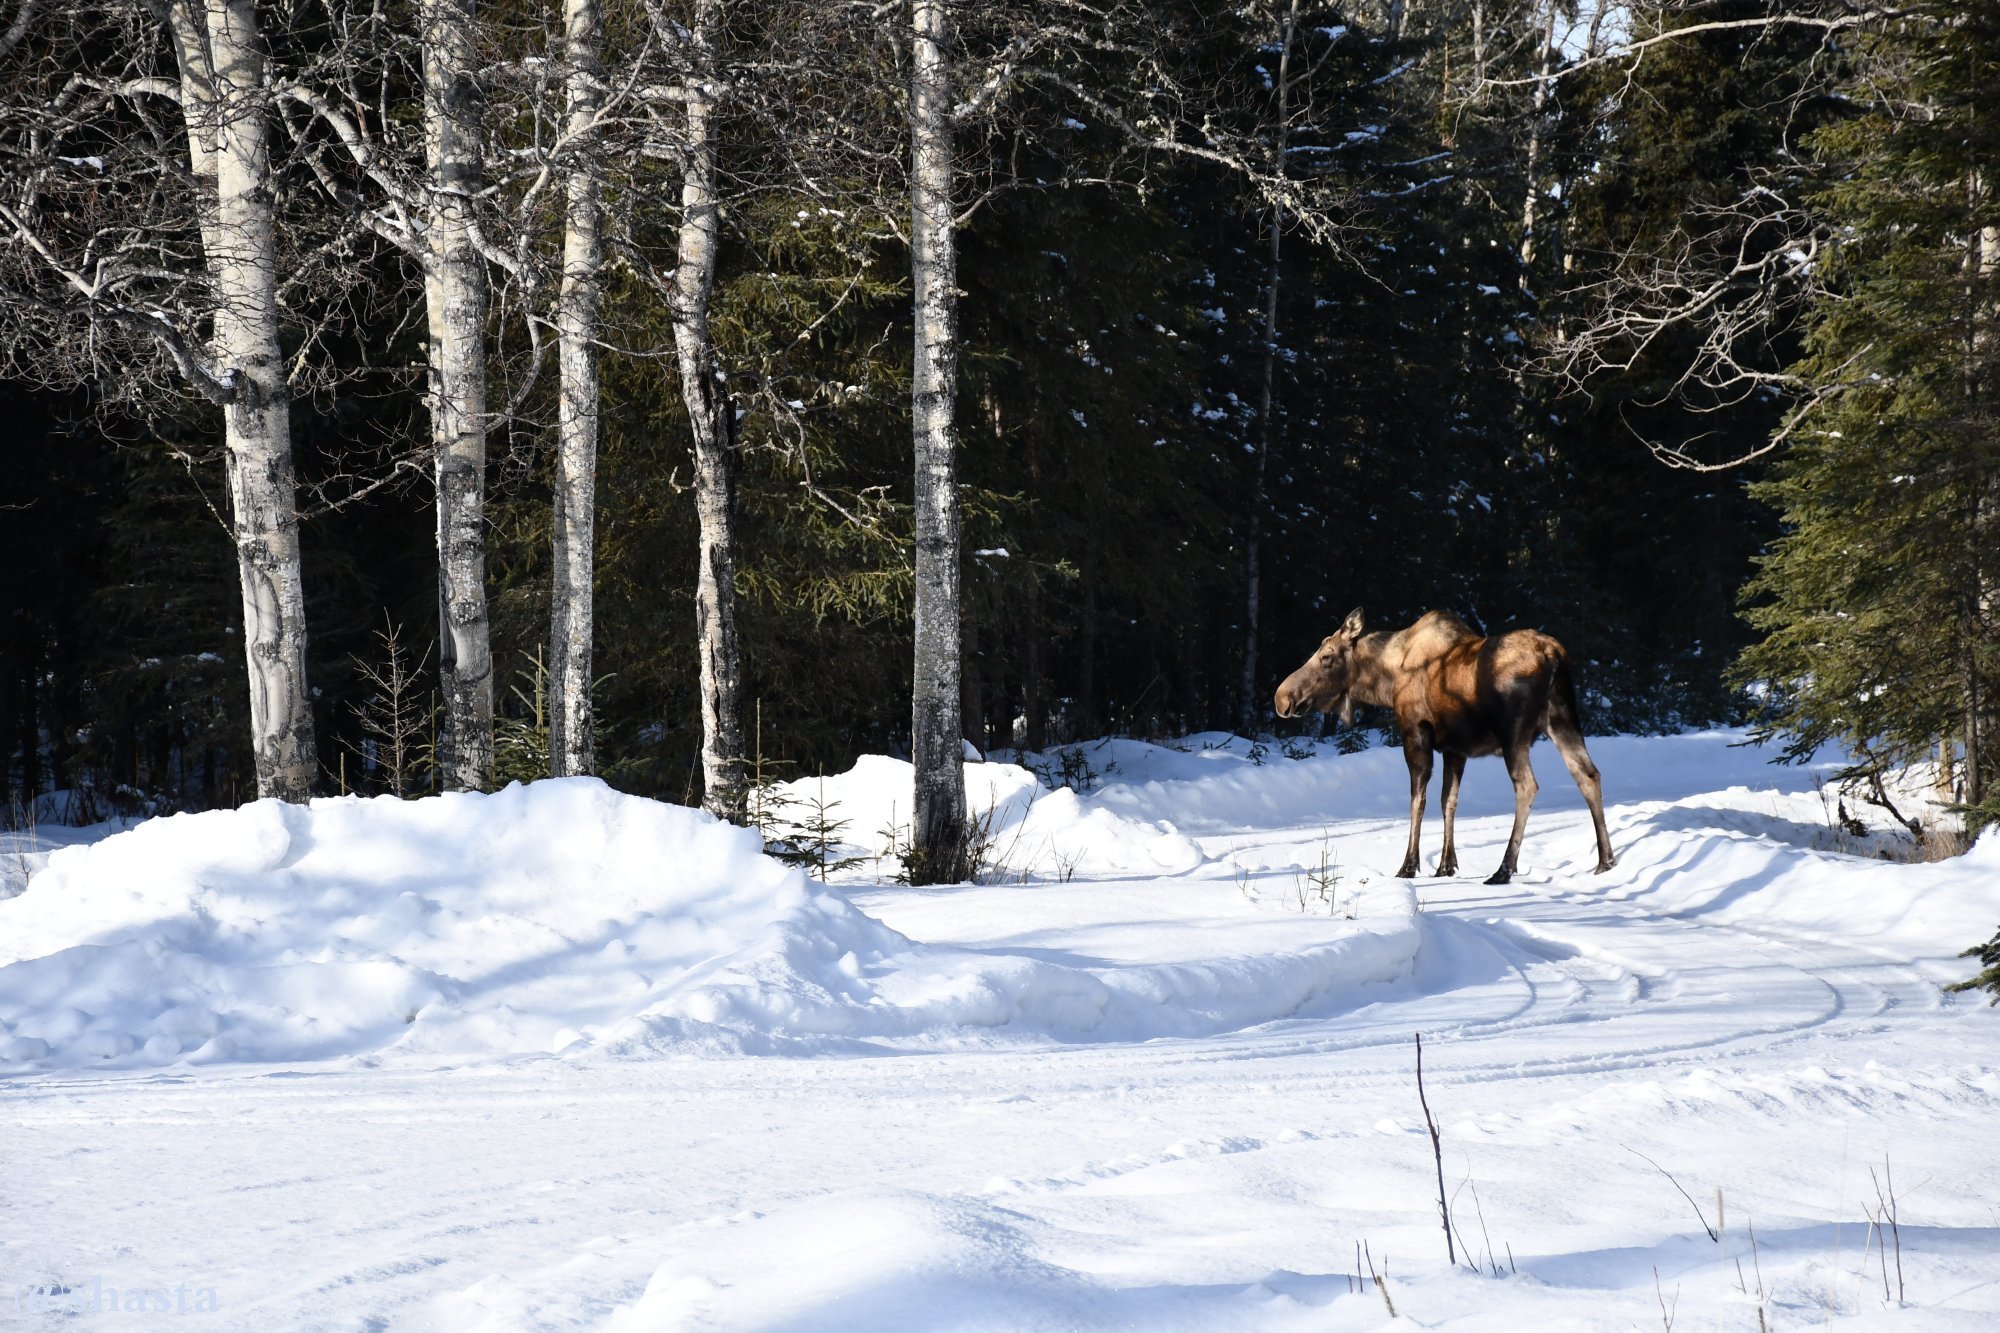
(561, 1058)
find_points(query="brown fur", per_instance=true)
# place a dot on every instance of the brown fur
(1460, 695)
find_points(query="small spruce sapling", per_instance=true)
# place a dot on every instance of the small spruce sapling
(396, 721)
(811, 841)
(521, 740)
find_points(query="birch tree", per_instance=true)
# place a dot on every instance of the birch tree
(781, 86)
(99, 190)
(572, 617)
(420, 188)
(937, 746)
(1121, 65)
(712, 421)
(455, 298)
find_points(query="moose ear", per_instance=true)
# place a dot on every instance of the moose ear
(1352, 626)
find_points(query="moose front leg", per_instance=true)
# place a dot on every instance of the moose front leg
(1417, 754)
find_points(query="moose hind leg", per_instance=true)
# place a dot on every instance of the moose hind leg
(1416, 753)
(1454, 771)
(1569, 743)
(1523, 773)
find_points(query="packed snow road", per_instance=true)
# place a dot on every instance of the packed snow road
(1166, 1082)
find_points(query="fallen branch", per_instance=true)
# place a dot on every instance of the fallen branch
(1712, 1235)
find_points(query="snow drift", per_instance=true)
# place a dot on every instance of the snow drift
(1033, 831)
(559, 917)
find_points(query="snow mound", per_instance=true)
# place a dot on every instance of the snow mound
(1764, 864)
(886, 1259)
(526, 920)
(1033, 832)
(558, 917)
(1219, 787)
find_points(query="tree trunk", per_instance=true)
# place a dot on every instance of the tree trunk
(455, 298)
(972, 695)
(571, 605)
(998, 722)
(1531, 193)
(1083, 721)
(1975, 786)
(1248, 705)
(938, 828)
(227, 108)
(10, 795)
(31, 727)
(1034, 709)
(712, 418)
(1193, 716)
(1982, 253)
(1478, 48)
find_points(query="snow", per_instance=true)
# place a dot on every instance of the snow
(564, 916)
(24, 852)
(558, 1057)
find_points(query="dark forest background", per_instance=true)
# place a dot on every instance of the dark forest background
(1426, 444)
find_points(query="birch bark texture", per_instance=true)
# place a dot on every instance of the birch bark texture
(455, 294)
(938, 828)
(712, 419)
(1531, 193)
(572, 605)
(226, 105)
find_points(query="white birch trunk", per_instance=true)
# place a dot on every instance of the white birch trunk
(1531, 195)
(571, 602)
(938, 827)
(711, 417)
(455, 299)
(226, 104)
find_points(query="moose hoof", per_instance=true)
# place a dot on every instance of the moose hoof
(1503, 875)
(1447, 867)
(1605, 865)
(1407, 872)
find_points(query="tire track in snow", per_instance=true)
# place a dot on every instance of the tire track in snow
(1569, 950)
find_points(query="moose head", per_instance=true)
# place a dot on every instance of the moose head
(1323, 683)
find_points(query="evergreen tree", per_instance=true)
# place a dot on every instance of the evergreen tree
(1876, 604)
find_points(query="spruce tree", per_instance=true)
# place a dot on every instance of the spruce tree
(1875, 605)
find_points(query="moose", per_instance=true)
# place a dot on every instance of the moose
(1463, 695)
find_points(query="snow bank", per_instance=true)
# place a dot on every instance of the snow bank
(893, 1259)
(1214, 783)
(1033, 831)
(520, 921)
(1704, 824)
(23, 852)
(561, 917)
(1761, 860)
